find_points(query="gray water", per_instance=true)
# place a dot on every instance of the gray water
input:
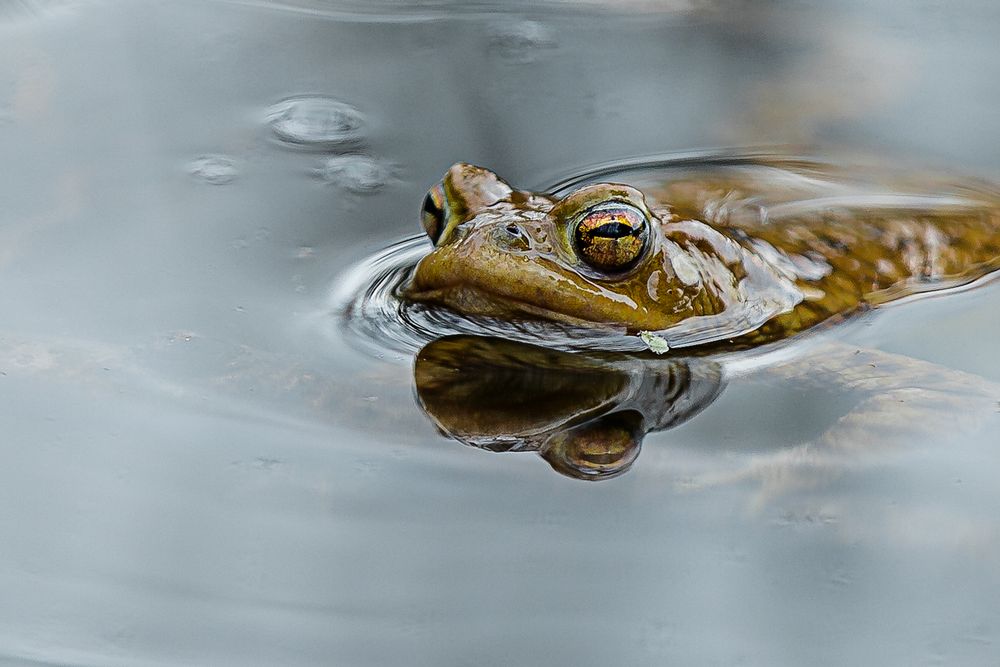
(199, 468)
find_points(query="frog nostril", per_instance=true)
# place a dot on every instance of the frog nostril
(512, 236)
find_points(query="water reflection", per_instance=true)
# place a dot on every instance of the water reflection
(586, 414)
(197, 472)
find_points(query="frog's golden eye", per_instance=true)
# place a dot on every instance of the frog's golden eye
(434, 212)
(611, 236)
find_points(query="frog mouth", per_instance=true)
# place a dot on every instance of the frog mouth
(475, 301)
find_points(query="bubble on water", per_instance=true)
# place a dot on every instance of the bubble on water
(316, 123)
(214, 169)
(358, 173)
(521, 41)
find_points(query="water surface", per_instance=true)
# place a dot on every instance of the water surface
(199, 470)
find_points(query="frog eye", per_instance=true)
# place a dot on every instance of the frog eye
(433, 212)
(611, 236)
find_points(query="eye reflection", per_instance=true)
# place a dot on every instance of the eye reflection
(599, 449)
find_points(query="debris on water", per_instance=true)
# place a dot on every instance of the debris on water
(360, 174)
(266, 462)
(316, 123)
(214, 169)
(180, 337)
(656, 343)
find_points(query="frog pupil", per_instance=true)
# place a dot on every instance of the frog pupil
(614, 230)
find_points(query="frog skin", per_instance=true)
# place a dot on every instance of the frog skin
(738, 258)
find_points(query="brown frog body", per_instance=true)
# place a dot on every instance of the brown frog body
(741, 255)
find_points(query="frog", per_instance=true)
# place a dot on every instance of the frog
(735, 256)
(726, 260)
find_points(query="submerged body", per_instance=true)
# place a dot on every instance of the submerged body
(734, 255)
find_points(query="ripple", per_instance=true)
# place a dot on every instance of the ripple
(13, 10)
(316, 123)
(214, 169)
(360, 174)
(521, 41)
(364, 300)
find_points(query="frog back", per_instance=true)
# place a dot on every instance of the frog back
(847, 241)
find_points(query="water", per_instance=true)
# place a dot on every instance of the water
(199, 469)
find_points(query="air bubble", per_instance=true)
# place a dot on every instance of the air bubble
(316, 123)
(214, 169)
(358, 173)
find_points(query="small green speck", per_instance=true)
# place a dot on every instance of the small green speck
(654, 342)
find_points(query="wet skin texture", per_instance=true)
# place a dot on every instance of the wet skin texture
(734, 257)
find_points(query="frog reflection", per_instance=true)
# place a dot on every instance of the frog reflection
(586, 414)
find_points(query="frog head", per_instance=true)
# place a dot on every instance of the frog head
(603, 255)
